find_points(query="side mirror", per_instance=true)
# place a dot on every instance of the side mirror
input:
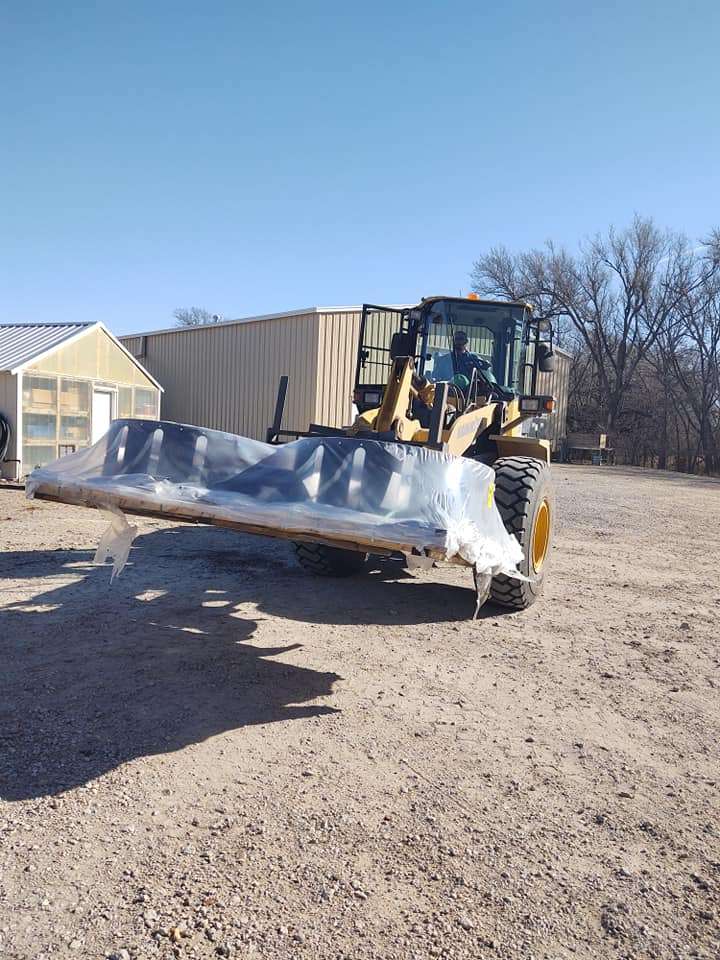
(400, 345)
(545, 358)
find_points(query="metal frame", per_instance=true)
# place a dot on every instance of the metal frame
(54, 492)
(421, 329)
(533, 325)
(403, 313)
(437, 416)
(274, 431)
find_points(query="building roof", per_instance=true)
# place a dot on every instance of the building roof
(303, 311)
(24, 343)
(273, 316)
(20, 343)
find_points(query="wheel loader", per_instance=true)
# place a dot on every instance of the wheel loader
(449, 379)
(459, 375)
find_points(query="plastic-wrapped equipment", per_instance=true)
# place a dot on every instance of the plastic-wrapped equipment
(368, 495)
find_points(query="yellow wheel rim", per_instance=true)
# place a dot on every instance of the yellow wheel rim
(541, 536)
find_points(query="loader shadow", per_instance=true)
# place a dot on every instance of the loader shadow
(96, 674)
(94, 677)
(263, 574)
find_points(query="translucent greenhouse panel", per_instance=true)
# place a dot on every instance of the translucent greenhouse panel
(145, 403)
(125, 402)
(39, 420)
(39, 394)
(35, 455)
(74, 412)
(74, 430)
(39, 427)
(95, 356)
(74, 396)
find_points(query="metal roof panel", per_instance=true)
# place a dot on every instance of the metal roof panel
(20, 343)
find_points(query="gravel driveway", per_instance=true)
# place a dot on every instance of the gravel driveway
(218, 755)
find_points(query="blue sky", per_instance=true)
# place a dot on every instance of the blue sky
(251, 157)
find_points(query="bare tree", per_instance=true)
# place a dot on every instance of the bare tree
(695, 366)
(616, 296)
(194, 316)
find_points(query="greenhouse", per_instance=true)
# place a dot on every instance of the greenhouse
(61, 385)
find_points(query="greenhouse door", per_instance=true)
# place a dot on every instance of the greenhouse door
(101, 413)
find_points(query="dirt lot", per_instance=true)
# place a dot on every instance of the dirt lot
(220, 756)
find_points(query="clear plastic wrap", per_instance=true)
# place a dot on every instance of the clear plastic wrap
(115, 543)
(361, 494)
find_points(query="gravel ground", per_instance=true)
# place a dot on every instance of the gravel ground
(220, 756)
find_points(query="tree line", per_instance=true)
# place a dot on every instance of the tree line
(639, 312)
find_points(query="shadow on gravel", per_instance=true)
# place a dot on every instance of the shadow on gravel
(95, 674)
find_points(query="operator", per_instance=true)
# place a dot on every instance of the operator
(464, 361)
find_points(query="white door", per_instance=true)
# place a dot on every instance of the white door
(101, 413)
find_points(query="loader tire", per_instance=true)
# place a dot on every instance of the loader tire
(524, 497)
(326, 561)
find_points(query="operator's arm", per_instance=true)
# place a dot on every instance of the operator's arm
(483, 366)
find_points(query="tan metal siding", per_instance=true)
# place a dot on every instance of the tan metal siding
(8, 407)
(337, 355)
(133, 345)
(226, 377)
(337, 358)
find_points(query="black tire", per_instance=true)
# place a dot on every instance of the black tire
(326, 561)
(524, 497)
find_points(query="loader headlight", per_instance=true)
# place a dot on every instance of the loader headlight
(537, 404)
(367, 398)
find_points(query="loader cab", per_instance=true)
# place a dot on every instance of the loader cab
(460, 334)
(498, 337)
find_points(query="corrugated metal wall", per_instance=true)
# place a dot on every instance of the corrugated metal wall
(8, 407)
(337, 355)
(226, 376)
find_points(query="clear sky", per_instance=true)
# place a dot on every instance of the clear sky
(253, 157)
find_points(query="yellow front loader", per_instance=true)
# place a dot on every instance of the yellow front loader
(449, 379)
(457, 375)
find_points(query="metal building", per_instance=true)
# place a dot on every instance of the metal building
(225, 375)
(60, 386)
